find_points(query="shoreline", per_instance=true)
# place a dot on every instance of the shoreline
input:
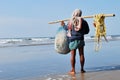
(90, 75)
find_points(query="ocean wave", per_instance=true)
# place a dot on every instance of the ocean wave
(12, 42)
(35, 41)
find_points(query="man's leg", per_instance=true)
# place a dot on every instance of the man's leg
(73, 61)
(82, 58)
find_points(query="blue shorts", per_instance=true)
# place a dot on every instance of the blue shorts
(76, 44)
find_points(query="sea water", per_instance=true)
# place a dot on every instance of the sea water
(27, 58)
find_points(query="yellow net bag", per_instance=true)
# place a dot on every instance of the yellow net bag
(100, 30)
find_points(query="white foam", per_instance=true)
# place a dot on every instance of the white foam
(49, 79)
(54, 78)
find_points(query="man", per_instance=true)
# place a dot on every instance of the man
(77, 27)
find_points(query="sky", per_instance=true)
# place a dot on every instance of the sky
(29, 18)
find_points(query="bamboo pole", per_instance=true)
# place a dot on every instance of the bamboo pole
(91, 16)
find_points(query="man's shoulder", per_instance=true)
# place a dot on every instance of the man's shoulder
(83, 20)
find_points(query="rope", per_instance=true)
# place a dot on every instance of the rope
(100, 30)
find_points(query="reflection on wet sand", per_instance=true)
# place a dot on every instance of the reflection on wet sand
(79, 76)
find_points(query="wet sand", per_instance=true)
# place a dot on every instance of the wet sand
(98, 75)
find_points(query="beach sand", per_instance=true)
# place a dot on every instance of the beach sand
(98, 75)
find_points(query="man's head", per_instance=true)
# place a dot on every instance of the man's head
(77, 13)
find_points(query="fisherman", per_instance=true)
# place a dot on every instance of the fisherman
(77, 27)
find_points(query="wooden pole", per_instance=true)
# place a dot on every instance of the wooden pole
(91, 16)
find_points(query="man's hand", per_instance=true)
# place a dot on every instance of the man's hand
(94, 24)
(62, 23)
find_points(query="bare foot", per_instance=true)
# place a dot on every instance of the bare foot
(83, 71)
(72, 72)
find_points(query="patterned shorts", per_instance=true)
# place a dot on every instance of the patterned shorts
(76, 44)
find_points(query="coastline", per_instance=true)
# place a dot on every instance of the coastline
(92, 75)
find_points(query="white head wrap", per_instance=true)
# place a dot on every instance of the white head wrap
(75, 19)
(77, 13)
